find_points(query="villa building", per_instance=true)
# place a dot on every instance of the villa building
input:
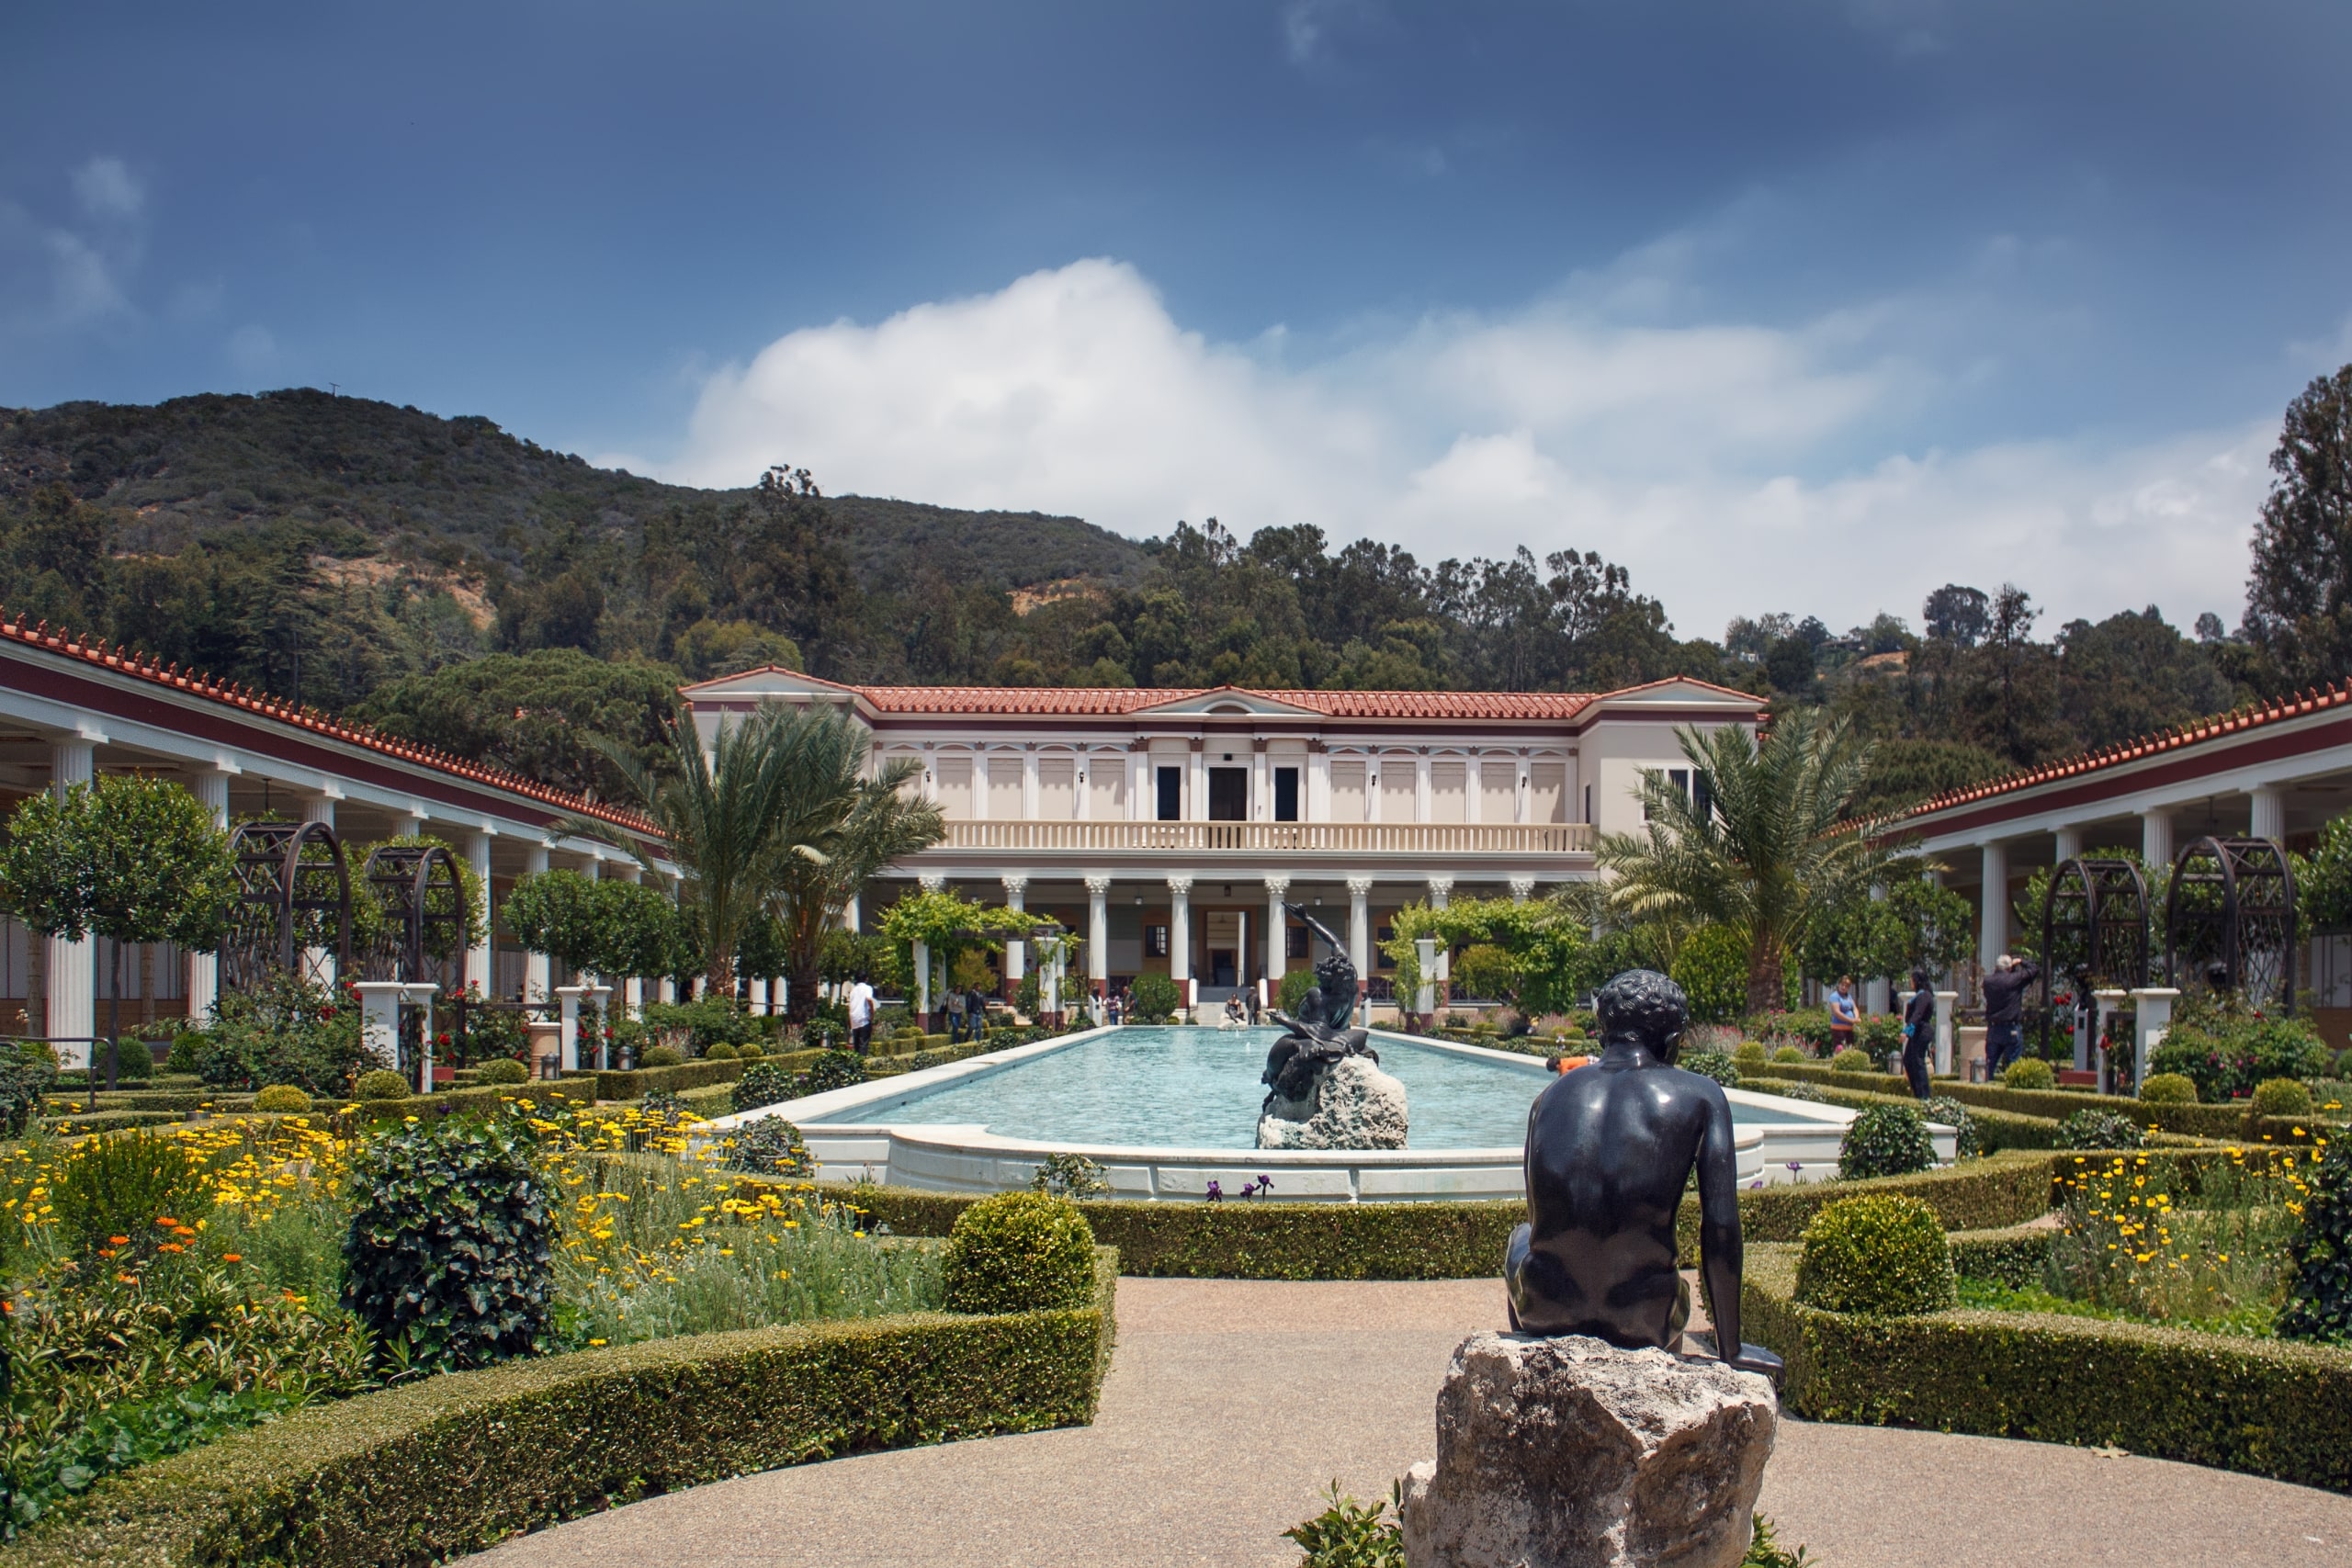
(1170, 827)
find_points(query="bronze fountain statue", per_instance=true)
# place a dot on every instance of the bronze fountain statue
(1610, 1148)
(1321, 1034)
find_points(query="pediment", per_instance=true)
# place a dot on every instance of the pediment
(771, 680)
(1227, 702)
(1682, 692)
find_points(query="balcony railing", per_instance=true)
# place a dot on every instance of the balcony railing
(1274, 838)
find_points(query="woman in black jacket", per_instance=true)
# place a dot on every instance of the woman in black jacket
(1919, 1031)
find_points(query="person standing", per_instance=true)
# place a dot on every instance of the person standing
(975, 1014)
(956, 1018)
(861, 1014)
(1919, 1031)
(1843, 1015)
(2004, 1011)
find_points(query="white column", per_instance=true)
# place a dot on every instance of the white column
(1196, 785)
(1944, 1003)
(2151, 1016)
(1277, 928)
(1993, 922)
(568, 996)
(1143, 787)
(922, 957)
(2070, 845)
(1029, 785)
(1261, 794)
(1440, 894)
(535, 964)
(1180, 936)
(2269, 812)
(2156, 837)
(1317, 806)
(210, 785)
(73, 965)
(1098, 930)
(1421, 787)
(1523, 888)
(380, 1021)
(479, 970)
(1016, 954)
(1359, 932)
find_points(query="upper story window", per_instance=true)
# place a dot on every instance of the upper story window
(1286, 794)
(1228, 795)
(1692, 785)
(1169, 798)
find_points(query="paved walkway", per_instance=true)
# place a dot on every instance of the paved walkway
(1231, 1403)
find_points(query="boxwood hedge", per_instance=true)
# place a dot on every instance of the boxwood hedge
(433, 1470)
(2266, 1407)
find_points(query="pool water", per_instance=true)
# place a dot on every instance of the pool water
(1199, 1089)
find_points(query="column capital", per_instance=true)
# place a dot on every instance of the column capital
(1098, 884)
(1360, 885)
(1440, 885)
(1179, 885)
(932, 882)
(1523, 888)
(1014, 884)
(1277, 885)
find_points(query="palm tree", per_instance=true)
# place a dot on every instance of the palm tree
(1768, 846)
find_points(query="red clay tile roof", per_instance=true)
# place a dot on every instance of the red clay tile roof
(1119, 700)
(2235, 722)
(1018, 699)
(142, 667)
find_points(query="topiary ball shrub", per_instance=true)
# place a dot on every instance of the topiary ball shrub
(2029, 1072)
(451, 1248)
(382, 1083)
(769, 1145)
(1885, 1140)
(2170, 1088)
(763, 1083)
(1881, 1256)
(1750, 1055)
(1019, 1252)
(501, 1069)
(1711, 1065)
(661, 1057)
(722, 1052)
(749, 1051)
(2282, 1096)
(2319, 1295)
(2095, 1129)
(187, 1052)
(282, 1097)
(834, 1069)
(134, 1061)
(1789, 1054)
(1852, 1060)
(1967, 1143)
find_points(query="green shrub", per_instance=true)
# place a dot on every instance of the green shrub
(1882, 1257)
(282, 1097)
(2319, 1298)
(382, 1083)
(2281, 1096)
(2170, 1088)
(1711, 1065)
(834, 1069)
(2092, 1128)
(1852, 1060)
(661, 1056)
(1153, 997)
(188, 1048)
(1019, 1252)
(705, 1021)
(2029, 1072)
(126, 1184)
(722, 1052)
(763, 1083)
(1712, 968)
(2343, 1069)
(1885, 1140)
(750, 1051)
(450, 1252)
(501, 1071)
(1789, 1054)
(1751, 1054)
(1794, 1089)
(25, 1080)
(1068, 1175)
(286, 1030)
(2227, 1051)
(1349, 1535)
(1295, 985)
(769, 1145)
(133, 1064)
(1967, 1143)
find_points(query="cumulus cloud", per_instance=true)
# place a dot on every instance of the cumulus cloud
(107, 190)
(1734, 466)
(62, 275)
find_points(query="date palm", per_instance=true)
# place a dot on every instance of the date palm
(1769, 847)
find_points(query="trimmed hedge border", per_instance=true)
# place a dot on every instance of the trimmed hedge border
(639, 1082)
(453, 1464)
(2012, 1256)
(2260, 1406)
(2053, 1104)
(153, 1099)
(541, 1093)
(108, 1122)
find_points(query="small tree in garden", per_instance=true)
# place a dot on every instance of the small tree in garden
(1711, 969)
(1538, 957)
(947, 924)
(1155, 998)
(133, 860)
(557, 913)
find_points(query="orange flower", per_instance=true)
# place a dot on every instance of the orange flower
(117, 1241)
(230, 1257)
(168, 1222)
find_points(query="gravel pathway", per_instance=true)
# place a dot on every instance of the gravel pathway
(1231, 1403)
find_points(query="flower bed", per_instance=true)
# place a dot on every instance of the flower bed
(2262, 1407)
(458, 1462)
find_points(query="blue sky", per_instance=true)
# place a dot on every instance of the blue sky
(1789, 304)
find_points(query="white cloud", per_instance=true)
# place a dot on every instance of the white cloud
(1735, 468)
(107, 190)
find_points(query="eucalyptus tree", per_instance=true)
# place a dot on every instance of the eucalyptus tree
(1769, 848)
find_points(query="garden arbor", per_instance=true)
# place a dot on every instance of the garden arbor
(2095, 921)
(291, 913)
(2230, 920)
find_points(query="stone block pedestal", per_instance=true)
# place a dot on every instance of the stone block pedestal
(1571, 1453)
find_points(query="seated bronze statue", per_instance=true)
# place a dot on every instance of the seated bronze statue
(1610, 1149)
(1321, 1034)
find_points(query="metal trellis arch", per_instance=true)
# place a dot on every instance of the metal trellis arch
(292, 912)
(2095, 928)
(2230, 920)
(422, 899)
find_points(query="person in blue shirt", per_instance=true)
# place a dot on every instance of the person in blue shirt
(1843, 1014)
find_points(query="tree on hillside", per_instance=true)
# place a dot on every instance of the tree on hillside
(537, 714)
(2298, 599)
(1771, 849)
(2131, 675)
